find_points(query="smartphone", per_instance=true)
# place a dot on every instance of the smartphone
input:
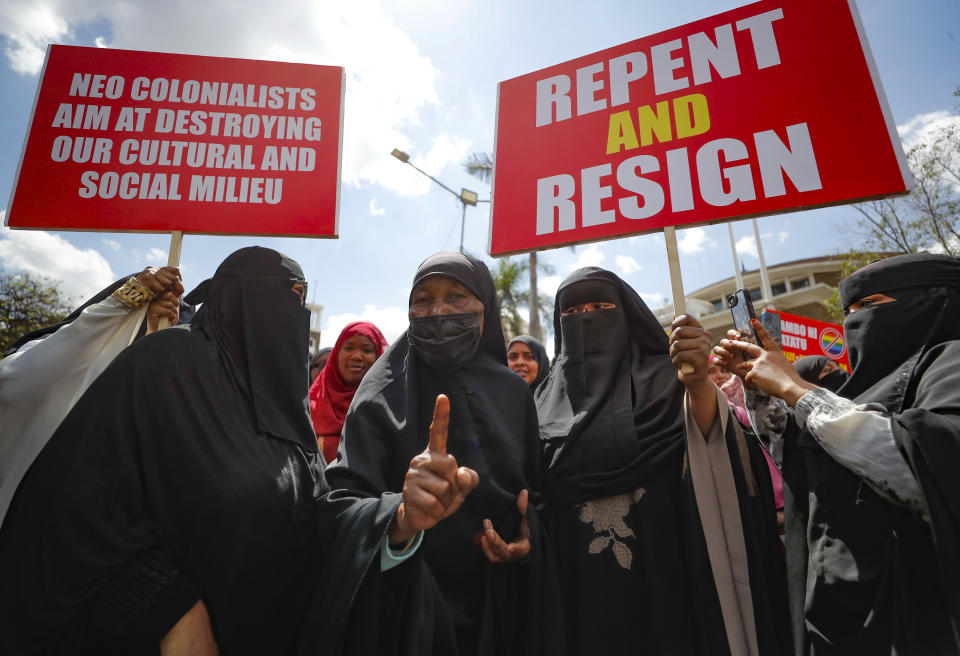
(742, 310)
(771, 321)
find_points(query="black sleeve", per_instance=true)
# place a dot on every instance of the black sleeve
(929, 436)
(142, 601)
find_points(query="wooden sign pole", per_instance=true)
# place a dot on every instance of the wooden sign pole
(676, 281)
(173, 260)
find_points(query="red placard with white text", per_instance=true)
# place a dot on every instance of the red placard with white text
(800, 336)
(770, 107)
(144, 141)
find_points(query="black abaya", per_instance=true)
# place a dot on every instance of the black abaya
(637, 575)
(493, 430)
(867, 576)
(189, 471)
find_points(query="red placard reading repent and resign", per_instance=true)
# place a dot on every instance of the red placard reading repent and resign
(126, 140)
(768, 108)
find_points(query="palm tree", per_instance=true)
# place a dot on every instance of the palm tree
(480, 165)
(507, 275)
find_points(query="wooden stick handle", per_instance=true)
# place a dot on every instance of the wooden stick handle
(173, 259)
(676, 281)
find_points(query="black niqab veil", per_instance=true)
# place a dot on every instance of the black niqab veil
(539, 352)
(188, 470)
(619, 497)
(611, 410)
(247, 296)
(883, 580)
(810, 366)
(493, 430)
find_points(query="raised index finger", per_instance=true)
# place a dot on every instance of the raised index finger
(438, 427)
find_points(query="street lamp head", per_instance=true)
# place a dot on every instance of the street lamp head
(400, 155)
(468, 197)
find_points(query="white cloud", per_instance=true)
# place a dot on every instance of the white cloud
(627, 264)
(112, 244)
(923, 128)
(155, 257)
(548, 285)
(391, 321)
(653, 299)
(693, 240)
(404, 180)
(374, 210)
(782, 236)
(593, 256)
(29, 27)
(389, 83)
(82, 273)
(747, 246)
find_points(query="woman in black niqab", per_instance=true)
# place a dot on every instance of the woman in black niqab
(475, 606)
(637, 572)
(189, 471)
(905, 357)
(810, 368)
(871, 489)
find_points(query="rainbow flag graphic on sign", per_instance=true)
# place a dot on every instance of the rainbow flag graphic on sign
(831, 342)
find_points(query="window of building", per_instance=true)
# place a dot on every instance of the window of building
(719, 305)
(779, 288)
(756, 294)
(800, 283)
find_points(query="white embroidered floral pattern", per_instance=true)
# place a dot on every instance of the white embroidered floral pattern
(606, 518)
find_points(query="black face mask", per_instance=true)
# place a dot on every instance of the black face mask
(833, 380)
(446, 341)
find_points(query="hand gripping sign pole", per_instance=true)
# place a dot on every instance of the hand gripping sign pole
(173, 260)
(676, 281)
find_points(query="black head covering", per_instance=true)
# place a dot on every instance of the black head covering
(810, 366)
(475, 276)
(539, 354)
(611, 409)
(319, 354)
(248, 304)
(889, 338)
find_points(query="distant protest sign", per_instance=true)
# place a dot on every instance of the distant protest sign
(770, 107)
(125, 140)
(801, 336)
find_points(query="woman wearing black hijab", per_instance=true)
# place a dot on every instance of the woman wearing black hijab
(527, 357)
(663, 522)
(872, 511)
(821, 371)
(455, 346)
(187, 481)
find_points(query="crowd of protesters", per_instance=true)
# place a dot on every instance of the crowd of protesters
(213, 488)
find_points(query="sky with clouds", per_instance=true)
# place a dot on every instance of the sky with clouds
(422, 77)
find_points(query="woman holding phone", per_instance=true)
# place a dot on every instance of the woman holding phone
(873, 514)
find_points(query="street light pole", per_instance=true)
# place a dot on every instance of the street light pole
(466, 197)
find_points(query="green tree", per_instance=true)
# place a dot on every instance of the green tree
(926, 219)
(508, 277)
(28, 302)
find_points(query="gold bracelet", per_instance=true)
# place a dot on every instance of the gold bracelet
(133, 295)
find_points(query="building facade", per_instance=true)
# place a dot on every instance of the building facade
(798, 287)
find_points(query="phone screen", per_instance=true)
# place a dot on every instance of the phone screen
(771, 322)
(742, 310)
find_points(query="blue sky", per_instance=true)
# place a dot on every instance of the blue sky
(422, 76)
